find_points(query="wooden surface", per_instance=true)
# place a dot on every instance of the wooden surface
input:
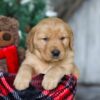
(86, 26)
(88, 93)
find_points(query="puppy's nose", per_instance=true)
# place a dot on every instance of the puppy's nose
(55, 53)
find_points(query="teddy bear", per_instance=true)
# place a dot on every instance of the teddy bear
(9, 39)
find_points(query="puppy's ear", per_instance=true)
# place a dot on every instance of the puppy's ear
(30, 40)
(71, 42)
(70, 37)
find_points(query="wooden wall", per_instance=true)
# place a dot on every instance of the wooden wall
(86, 27)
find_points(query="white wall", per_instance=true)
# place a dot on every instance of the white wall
(86, 27)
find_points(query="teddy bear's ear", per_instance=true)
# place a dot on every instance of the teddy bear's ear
(15, 23)
(30, 40)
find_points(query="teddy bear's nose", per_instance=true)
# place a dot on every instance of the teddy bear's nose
(6, 36)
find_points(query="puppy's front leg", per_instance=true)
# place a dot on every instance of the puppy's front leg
(52, 78)
(23, 77)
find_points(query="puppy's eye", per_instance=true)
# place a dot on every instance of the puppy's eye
(45, 39)
(62, 38)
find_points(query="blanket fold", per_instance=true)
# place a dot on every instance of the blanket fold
(65, 91)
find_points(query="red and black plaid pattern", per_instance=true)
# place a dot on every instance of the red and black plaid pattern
(65, 91)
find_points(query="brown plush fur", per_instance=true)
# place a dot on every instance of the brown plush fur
(8, 26)
(49, 34)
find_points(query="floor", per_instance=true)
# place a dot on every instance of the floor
(88, 92)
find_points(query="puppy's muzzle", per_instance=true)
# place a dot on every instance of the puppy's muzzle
(55, 53)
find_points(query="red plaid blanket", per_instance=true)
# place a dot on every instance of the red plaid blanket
(65, 91)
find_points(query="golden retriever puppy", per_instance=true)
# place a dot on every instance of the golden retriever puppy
(49, 51)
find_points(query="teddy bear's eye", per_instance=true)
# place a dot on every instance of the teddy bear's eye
(6, 36)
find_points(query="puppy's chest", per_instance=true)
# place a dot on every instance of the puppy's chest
(42, 68)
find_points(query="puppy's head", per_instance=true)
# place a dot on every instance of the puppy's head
(51, 39)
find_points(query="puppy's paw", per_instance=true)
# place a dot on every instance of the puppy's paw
(76, 73)
(21, 83)
(49, 82)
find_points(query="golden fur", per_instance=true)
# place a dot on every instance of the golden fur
(49, 34)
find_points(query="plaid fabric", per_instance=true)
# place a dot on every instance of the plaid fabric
(65, 91)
